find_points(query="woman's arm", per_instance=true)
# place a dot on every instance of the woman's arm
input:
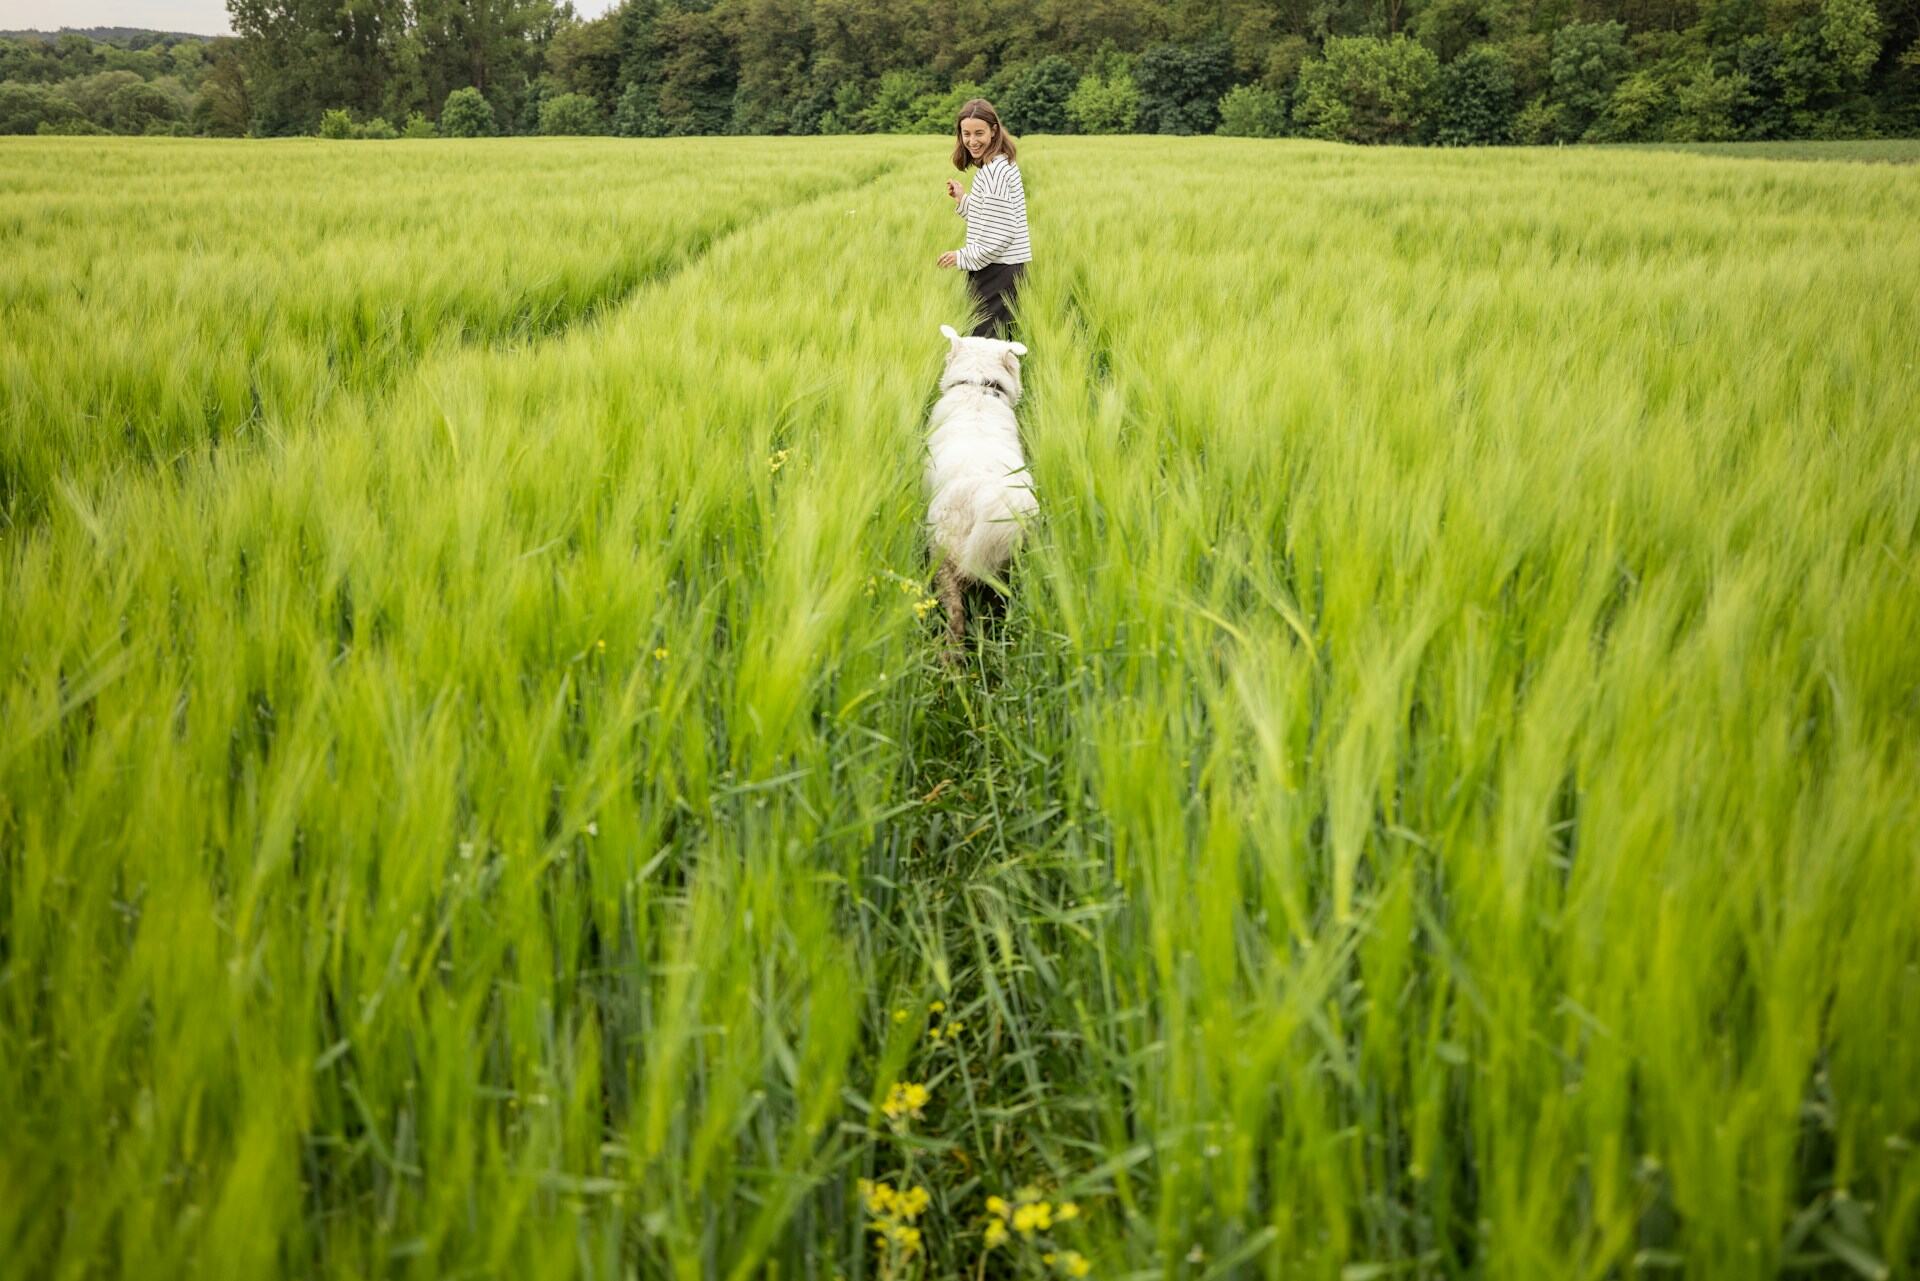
(992, 224)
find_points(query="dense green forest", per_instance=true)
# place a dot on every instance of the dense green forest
(1439, 71)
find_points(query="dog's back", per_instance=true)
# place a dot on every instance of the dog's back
(976, 482)
(978, 490)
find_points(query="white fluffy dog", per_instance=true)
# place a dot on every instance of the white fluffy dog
(977, 491)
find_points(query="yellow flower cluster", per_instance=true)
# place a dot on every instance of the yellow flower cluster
(778, 459)
(905, 1100)
(1027, 1215)
(893, 1215)
(915, 588)
(1071, 1262)
(947, 1030)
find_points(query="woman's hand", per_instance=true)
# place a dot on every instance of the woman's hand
(948, 258)
(953, 190)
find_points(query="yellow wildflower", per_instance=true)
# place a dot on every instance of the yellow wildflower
(879, 1196)
(1068, 1211)
(938, 1007)
(899, 1016)
(996, 1206)
(660, 655)
(1076, 1263)
(996, 1234)
(904, 1100)
(1048, 1258)
(1028, 1218)
(911, 1203)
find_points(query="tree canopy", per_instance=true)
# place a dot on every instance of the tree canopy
(1440, 71)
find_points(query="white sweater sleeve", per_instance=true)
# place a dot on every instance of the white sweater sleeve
(991, 225)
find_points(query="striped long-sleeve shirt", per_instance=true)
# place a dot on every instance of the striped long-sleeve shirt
(996, 214)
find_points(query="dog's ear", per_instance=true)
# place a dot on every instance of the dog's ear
(1010, 357)
(948, 331)
(1017, 348)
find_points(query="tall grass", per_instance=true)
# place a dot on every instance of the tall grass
(180, 297)
(1441, 803)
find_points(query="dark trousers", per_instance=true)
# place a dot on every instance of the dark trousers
(993, 288)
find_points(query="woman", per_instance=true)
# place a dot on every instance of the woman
(997, 251)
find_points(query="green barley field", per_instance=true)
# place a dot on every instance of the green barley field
(480, 796)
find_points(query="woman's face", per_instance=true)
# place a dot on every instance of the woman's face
(975, 134)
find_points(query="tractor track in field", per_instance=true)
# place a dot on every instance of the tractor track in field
(689, 254)
(24, 507)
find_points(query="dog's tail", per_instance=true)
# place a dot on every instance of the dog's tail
(985, 546)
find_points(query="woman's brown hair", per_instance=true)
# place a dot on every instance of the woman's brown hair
(998, 145)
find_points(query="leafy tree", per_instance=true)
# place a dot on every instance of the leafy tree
(585, 58)
(135, 108)
(1104, 105)
(1252, 111)
(938, 112)
(418, 126)
(494, 46)
(1034, 99)
(1284, 59)
(848, 112)
(379, 129)
(1451, 27)
(1366, 89)
(224, 106)
(467, 114)
(1586, 69)
(77, 56)
(1707, 106)
(1180, 86)
(1763, 113)
(1589, 58)
(26, 108)
(698, 75)
(93, 94)
(1474, 99)
(1539, 122)
(27, 62)
(307, 55)
(571, 114)
(638, 114)
(892, 108)
(336, 124)
(772, 41)
(1638, 111)
(1850, 30)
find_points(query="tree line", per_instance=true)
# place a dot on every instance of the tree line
(1403, 71)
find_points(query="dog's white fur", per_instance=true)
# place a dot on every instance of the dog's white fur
(977, 488)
